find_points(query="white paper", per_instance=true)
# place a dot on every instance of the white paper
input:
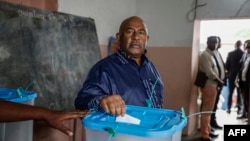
(128, 119)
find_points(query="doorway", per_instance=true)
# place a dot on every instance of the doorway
(229, 30)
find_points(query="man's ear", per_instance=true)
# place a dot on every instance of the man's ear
(118, 37)
(147, 40)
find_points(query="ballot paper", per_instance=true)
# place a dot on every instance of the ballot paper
(128, 119)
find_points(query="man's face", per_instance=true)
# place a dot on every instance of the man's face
(213, 44)
(217, 44)
(133, 38)
(248, 50)
(248, 47)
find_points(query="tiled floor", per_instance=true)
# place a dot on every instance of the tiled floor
(223, 118)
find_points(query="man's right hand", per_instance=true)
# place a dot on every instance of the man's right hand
(113, 104)
(236, 82)
(220, 83)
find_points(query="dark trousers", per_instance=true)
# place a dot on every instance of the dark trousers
(213, 118)
(240, 101)
(232, 86)
(245, 92)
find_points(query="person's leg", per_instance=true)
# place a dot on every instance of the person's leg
(213, 121)
(231, 86)
(208, 100)
(244, 92)
(240, 102)
(215, 107)
(247, 99)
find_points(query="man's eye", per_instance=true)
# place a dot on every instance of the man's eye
(142, 32)
(130, 31)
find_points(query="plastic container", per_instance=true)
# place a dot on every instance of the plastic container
(17, 131)
(155, 125)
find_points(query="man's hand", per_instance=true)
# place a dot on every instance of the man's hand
(113, 104)
(236, 82)
(220, 83)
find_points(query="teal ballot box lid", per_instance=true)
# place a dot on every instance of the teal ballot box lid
(16, 95)
(153, 123)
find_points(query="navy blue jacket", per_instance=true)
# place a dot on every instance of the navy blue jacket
(117, 74)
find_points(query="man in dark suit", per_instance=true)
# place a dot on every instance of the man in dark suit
(243, 79)
(233, 68)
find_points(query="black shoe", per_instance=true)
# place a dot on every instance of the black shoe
(207, 139)
(239, 112)
(213, 135)
(228, 111)
(216, 126)
(242, 117)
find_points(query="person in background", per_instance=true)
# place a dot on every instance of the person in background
(126, 77)
(233, 68)
(221, 68)
(243, 79)
(22, 112)
(208, 65)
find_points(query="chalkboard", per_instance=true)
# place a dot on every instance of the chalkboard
(47, 52)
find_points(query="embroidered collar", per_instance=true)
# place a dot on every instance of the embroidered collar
(123, 57)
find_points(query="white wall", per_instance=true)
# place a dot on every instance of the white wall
(107, 14)
(223, 9)
(167, 19)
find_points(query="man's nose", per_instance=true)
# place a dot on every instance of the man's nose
(135, 35)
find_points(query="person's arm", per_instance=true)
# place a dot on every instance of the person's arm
(99, 93)
(245, 69)
(209, 67)
(88, 99)
(228, 63)
(12, 112)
